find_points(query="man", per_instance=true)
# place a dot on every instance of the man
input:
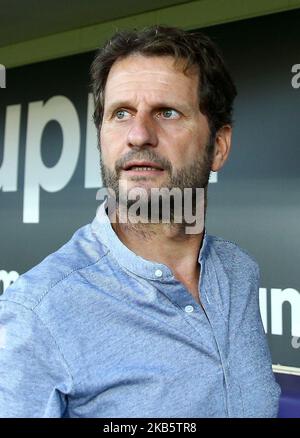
(140, 318)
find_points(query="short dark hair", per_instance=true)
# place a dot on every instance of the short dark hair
(216, 87)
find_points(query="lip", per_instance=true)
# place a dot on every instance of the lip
(155, 167)
(152, 172)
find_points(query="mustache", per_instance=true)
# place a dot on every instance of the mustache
(147, 155)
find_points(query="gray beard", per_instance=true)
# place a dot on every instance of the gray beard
(194, 176)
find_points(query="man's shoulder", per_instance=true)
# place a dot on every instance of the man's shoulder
(82, 251)
(231, 254)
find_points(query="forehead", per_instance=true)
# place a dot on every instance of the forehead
(138, 74)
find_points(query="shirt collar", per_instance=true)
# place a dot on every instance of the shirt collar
(132, 262)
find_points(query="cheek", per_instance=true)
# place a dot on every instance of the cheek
(183, 145)
(113, 136)
(109, 146)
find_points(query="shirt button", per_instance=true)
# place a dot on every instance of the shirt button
(158, 273)
(189, 309)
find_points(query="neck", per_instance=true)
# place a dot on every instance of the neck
(164, 243)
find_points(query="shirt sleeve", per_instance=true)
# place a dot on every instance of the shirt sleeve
(260, 392)
(34, 379)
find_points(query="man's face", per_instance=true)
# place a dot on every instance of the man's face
(153, 133)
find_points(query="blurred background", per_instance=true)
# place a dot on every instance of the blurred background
(49, 162)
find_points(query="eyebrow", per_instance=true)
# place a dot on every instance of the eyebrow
(163, 104)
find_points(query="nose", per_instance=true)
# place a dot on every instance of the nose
(142, 132)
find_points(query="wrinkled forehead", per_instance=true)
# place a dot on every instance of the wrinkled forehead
(157, 74)
(137, 62)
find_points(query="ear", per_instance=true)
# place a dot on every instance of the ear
(222, 147)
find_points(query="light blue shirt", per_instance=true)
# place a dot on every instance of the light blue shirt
(96, 331)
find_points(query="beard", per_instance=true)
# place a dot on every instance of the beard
(194, 176)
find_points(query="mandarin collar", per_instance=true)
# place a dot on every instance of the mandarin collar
(129, 260)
